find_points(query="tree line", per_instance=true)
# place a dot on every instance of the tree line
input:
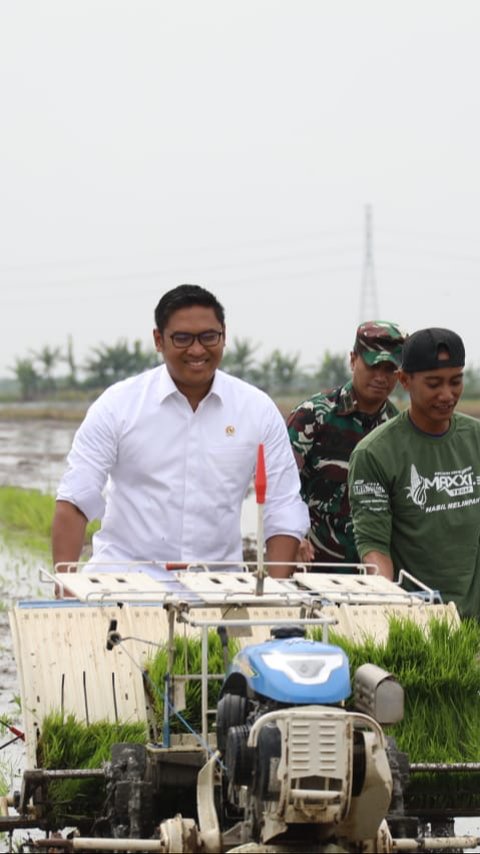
(51, 371)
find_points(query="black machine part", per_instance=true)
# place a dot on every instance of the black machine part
(293, 631)
(232, 710)
(268, 752)
(131, 796)
(239, 758)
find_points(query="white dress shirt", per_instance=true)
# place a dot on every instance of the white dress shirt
(167, 482)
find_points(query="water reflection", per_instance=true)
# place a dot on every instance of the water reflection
(32, 453)
(19, 579)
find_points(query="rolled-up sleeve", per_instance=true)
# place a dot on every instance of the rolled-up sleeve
(90, 460)
(369, 502)
(285, 511)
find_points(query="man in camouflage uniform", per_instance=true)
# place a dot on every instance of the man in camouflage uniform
(325, 429)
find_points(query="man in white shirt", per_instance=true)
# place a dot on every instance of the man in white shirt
(176, 449)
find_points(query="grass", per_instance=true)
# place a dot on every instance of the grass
(7, 775)
(67, 743)
(440, 674)
(26, 516)
(439, 671)
(48, 412)
(26, 519)
(6, 772)
(187, 659)
(75, 411)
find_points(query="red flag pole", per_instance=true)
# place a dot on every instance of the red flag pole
(260, 492)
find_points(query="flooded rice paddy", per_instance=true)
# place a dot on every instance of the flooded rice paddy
(32, 455)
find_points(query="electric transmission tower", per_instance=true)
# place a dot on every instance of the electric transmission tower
(368, 309)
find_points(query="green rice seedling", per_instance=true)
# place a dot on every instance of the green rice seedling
(439, 670)
(5, 722)
(4, 780)
(27, 516)
(65, 742)
(15, 700)
(187, 660)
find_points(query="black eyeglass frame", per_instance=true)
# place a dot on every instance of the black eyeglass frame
(202, 337)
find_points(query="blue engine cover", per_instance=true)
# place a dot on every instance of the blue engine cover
(295, 671)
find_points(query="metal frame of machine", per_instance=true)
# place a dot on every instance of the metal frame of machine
(313, 794)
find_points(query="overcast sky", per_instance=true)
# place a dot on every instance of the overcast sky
(235, 145)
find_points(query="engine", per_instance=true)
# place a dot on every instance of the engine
(294, 766)
(298, 765)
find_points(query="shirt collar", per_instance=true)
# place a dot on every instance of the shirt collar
(348, 404)
(347, 401)
(167, 386)
(219, 385)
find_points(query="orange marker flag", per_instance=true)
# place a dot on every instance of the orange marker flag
(260, 491)
(260, 476)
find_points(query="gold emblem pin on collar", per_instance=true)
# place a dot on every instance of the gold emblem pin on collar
(230, 430)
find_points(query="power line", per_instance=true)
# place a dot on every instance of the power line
(368, 308)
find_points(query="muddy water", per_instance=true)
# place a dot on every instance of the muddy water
(32, 455)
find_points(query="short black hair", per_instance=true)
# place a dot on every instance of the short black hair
(184, 296)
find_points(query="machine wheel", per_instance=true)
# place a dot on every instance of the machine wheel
(269, 751)
(231, 711)
(401, 825)
(238, 756)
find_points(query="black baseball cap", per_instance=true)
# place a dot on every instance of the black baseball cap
(421, 350)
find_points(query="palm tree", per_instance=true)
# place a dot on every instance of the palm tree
(285, 370)
(262, 375)
(48, 358)
(111, 363)
(27, 378)
(333, 371)
(69, 358)
(238, 358)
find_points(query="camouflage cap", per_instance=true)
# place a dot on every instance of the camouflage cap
(379, 341)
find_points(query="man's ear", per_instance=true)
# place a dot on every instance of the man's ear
(403, 379)
(353, 359)
(158, 340)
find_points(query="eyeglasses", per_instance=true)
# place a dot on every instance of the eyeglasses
(208, 338)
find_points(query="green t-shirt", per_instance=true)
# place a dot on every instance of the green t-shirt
(417, 498)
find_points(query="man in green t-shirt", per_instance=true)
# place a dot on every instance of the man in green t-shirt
(414, 482)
